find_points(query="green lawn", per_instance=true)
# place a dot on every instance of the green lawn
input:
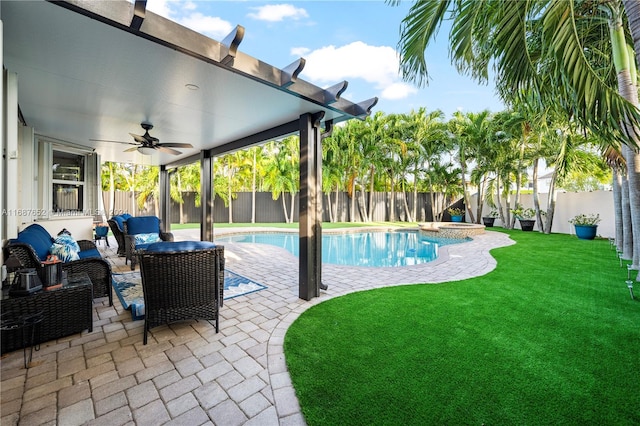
(549, 337)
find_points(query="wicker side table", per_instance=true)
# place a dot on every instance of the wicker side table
(65, 311)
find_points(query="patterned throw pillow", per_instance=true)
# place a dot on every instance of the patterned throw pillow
(147, 238)
(65, 247)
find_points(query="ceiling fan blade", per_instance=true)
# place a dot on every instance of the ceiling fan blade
(167, 150)
(175, 145)
(130, 149)
(110, 141)
(138, 138)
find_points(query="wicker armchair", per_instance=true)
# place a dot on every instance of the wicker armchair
(137, 226)
(181, 281)
(98, 269)
(116, 223)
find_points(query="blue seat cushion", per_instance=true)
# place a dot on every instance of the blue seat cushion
(120, 219)
(143, 225)
(179, 246)
(89, 253)
(37, 240)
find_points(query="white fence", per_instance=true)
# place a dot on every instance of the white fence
(570, 204)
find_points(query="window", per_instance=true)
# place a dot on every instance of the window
(68, 180)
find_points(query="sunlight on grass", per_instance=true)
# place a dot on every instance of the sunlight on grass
(549, 337)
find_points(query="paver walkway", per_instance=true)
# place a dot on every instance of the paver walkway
(188, 374)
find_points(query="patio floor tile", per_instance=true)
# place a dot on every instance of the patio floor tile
(188, 374)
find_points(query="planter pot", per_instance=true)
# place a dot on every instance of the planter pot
(527, 224)
(586, 232)
(456, 218)
(488, 221)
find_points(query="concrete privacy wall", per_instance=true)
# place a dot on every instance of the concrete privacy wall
(570, 204)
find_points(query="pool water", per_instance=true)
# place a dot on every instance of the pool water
(379, 249)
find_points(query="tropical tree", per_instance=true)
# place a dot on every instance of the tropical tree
(533, 44)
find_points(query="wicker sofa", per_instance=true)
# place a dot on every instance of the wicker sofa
(181, 281)
(32, 246)
(137, 230)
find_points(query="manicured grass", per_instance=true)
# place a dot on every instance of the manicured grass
(549, 337)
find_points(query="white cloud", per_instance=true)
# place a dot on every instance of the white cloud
(299, 51)
(212, 26)
(278, 12)
(374, 64)
(397, 91)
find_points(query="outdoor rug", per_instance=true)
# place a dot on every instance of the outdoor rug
(128, 288)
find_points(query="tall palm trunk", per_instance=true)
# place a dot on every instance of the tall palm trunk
(406, 206)
(627, 231)
(536, 196)
(617, 205)
(284, 207)
(371, 187)
(392, 201)
(628, 89)
(415, 193)
(465, 190)
(293, 205)
(551, 201)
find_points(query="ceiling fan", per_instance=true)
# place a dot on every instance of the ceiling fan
(147, 144)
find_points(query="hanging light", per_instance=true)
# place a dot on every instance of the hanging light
(145, 150)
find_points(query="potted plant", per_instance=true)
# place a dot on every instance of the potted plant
(489, 219)
(456, 214)
(526, 217)
(586, 225)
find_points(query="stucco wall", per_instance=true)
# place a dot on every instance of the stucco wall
(570, 204)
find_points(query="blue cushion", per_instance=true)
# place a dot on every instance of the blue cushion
(102, 231)
(35, 227)
(89, 253)
(143, 225)
(180, 246)
(37, 240)
(120, 219)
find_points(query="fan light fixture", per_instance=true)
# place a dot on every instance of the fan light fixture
(145, 150)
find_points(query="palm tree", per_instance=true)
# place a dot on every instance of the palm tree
(532, 44)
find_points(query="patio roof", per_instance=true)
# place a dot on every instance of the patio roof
(92, 71)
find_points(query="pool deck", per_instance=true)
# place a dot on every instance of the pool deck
(188, 374)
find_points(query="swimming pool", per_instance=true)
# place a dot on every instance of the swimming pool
(379, 249)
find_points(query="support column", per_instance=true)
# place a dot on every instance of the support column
(165, 199)
(206, 196)
(310, 272)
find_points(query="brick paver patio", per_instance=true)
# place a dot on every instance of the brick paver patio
(187, 374)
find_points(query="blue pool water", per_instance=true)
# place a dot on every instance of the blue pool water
(400, 248)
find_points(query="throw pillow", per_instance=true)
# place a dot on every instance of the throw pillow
(149, 238)
(64, 252)
(65, 247)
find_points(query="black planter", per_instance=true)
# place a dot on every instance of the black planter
(488, 221)
(527, 224)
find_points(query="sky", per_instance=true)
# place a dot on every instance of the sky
(340, 40)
